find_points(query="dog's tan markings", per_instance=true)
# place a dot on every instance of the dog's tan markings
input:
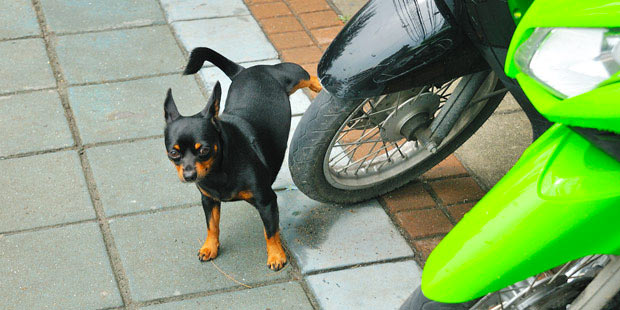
(180, 172)
(244, 195)
(209, 249)
(203, 167)
(205, 193)
(217, 108)
(313, 83)
(197, 146)
(276, 258)
(176, 147)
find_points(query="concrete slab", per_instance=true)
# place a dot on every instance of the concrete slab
(17, 19)
(323, 236)
(159, 251)
(112, 55)
(509, 104)
(57, 194)
(496, 147)
(137, 177)
(99, 15)
(24, 65)
(33, 122)
(282, 296)
(193, 9)
(348, 8)
(132, 109)
(61, 268)
(381, 286)
(210, 75)
(284, 179)
(250, 43)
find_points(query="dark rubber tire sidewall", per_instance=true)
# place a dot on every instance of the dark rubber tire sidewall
(316, 130)
(417, 301)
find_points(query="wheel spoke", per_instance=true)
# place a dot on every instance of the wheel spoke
(359, 156)
(359, 160)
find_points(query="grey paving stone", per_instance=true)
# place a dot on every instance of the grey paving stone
(138, 176)
(238, 38)
(111, 55)
(284, 179)
(284, 296)
(194, 9)
(381, 286)
(509, 104)
(132, 109)
(17, 19)
(76, 15)
(159, 251)
(503, 137)
(61, 268)
(56, 194)
(349, 7)
(210, 75)
(323, 236)
(33, 122)
(24, 65)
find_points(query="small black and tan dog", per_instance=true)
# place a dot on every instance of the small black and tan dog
(236, 155)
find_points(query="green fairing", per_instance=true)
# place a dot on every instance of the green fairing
(598, 108)
(555, 205)
(560, 202)
(518, 8)
(595, 109)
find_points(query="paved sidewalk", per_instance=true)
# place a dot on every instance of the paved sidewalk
(93, 216)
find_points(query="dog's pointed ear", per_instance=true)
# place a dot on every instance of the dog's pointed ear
(170, 108)
(212, 110)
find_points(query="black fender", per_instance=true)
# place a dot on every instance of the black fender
(393, 45)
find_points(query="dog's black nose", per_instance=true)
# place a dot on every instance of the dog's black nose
(189, 175)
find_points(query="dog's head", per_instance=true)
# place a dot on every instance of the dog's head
(193, 142)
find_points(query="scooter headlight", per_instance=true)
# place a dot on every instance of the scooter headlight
(570, 61)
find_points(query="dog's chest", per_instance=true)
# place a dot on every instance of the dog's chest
(226, 195)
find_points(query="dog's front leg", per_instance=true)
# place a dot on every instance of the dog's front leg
(268, 209)
(209, 249)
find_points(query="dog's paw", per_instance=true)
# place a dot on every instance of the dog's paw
(208, 252)
(276, 261)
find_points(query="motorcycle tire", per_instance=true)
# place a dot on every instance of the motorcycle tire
(323, 120)
(417, 301)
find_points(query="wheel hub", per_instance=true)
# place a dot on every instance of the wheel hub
(410, 116)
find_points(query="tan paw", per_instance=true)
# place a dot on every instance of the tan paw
(208, 252)
(276, 261)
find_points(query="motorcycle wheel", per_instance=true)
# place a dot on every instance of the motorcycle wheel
(552, 290)
(338, 153)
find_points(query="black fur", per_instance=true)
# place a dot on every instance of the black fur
(250, 134)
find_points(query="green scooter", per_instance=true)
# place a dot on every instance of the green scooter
(547, 235)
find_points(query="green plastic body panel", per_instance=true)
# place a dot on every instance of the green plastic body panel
(560, 202)
(595, 109)
(598, 108)
(518, 8)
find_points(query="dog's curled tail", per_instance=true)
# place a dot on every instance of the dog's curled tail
(201, 54)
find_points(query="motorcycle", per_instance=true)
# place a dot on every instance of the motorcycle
(406, 82)
(547, 235)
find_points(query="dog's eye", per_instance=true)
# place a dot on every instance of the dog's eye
(174, 154)
(204, 150)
